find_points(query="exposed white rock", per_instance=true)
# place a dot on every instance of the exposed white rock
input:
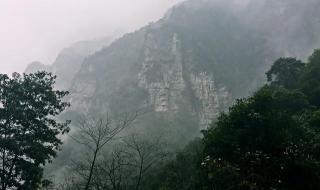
(163, 78)
(213, 100)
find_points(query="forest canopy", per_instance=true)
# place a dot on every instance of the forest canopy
(269, 140)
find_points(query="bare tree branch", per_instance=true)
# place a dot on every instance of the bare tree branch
(95, 134)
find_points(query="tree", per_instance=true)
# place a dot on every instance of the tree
(126, 163)
(28, 130)
(144, 154)
(310, 79)
(182, 172)
(265, 142)
(285, 72)
(95, 134)
(270, 140)
(113, 172)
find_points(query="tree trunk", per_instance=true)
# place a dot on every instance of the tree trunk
(91, 169)
(140, 175)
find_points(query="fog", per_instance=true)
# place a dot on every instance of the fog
(215, 88)
(38, 29)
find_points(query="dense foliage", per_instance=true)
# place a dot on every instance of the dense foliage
(267, 141)
(270, 140)
(182, 172)
(168, 62)
(28, 132)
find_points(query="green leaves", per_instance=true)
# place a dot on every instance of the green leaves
(28, 130)
(270, 140)
(285, 72)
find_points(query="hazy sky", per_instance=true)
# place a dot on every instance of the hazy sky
(38, 29)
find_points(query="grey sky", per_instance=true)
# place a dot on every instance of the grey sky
(38, 29)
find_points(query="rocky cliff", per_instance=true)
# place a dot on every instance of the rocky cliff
(190, 65)
(186, 68)
(196, 60)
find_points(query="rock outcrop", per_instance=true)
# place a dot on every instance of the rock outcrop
(186, 68)
(193, 63)
(196, 60)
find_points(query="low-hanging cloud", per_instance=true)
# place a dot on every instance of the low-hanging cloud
(39, 29)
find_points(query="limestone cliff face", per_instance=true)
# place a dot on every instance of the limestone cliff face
(186, 68)
(166, 81)
(160, 70)
(163, 69)
(213, 100)
(162, 75)
(193, 63)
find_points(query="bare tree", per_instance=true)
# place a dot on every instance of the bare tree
(125, 166)
(95, 134)
(114, 171)
(69, 183)
(144, 154)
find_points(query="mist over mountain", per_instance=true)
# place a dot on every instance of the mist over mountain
(69, 60)
(186, 68)
(193, 63)
(208, 52)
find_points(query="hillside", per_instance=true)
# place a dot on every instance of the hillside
(69, 60)
(196, 60)
(185, 69)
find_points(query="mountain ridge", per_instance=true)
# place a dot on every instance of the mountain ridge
(198, 58)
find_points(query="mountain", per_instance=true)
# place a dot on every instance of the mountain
(196, 60)
(186, 68)
(69, 60)
(35, 66)
(190, 65)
